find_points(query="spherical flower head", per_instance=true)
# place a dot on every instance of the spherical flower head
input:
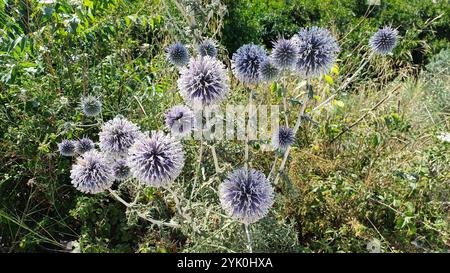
(180, 120)
(246, 195)
(267, 71)
(207, 48)
(204, 81)
(178, 54)
(317, 51)
(384, 40)
(121, 170)
(91, 173)
(67, 147)
(156, 159)
(117, 136)
(284, 54)
(84, 145)
(91, 106)
(283, 138)
(246, 62)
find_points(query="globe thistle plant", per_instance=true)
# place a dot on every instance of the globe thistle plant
(178, 54)
(91, 173)
(384, 40)
(121, 170)
(67, 147)
(180, 120)
(83, 145)
(203, 81)
(317, 51)
(246, 63)
(267, 71)
(283, 138)
(117, 136)
(91, 106)
(207, 48)
(246, 195)
(156, 159)
(284, 54)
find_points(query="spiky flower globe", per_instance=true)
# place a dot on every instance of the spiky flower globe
(384, 40)
(317, 51)
(180, 120)
(283, 138)
(67, 147)
(284, 54)
(268, 72)
(178, 54)
(121, 170)
(91, 173)
(246, 62)
(156, 159)
(83, 145)
(90, 106)
(207, 48)
(204, 81)
(246, 195)
(117, 136)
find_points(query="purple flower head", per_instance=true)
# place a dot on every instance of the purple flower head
(208, 48)
(180, 120)
(177, 54)
(268, 72)
(317, 51)
(91, 173)
(83, 145)
(67, 147)
(117, 136)
(246, 195)
(156, 160)
(90, 106)
(384, 40)
(203, 81)
(283, 138)
(246, 62)
(284, 54)
(121, 170)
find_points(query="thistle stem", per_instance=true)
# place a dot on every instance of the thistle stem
(216, 161)
(296, 127)
(249, 238)
(247, 141)
(141, 215)
(197, 172)
(274, 164)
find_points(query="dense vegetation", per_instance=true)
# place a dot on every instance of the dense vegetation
(386, 180)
